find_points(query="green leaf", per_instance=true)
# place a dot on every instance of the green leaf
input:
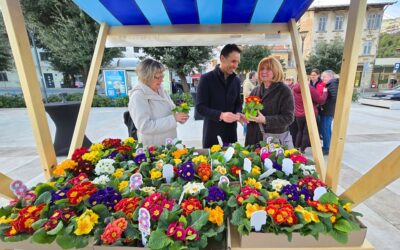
(339, 236)
(66, 241)
(101, 210)
(38, 224)
(41, 237)
(198, 219)
(82, 241)
(191, 237)
(43, 198)
(232, 201)
(57, 229)
(69, 228)
(183, 220)
(159, 240)
(343, 225)
(16, 238)
(329, 198)
(238, 217)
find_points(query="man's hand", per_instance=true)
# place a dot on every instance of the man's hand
(259, 119)
(229, 117)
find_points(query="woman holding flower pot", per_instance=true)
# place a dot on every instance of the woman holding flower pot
(151, 107)
(278, 106)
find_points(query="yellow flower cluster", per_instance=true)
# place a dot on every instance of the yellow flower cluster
(177, 161)
(162, 155)
(93, 157)
(216, 215)
(251, 208)
(86, 222)
(118, 173)
(347, 207)
(251, 182)
(273, 195)
(200, 159)
(64, 165)
(96, 147)
(215, 148)
(289, 152)
(177, 154)
(122, 185)
(256, 170)
(129, 140)
(221, 169)
(5, 220)
(245, 152)
(155, 174)
(307, 215)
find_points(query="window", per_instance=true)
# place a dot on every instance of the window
(339, 23)
(44, 56)
(374, 21)
(367, 48)
(136, 49)
(322, 24)
(123, 49)
(3, 77)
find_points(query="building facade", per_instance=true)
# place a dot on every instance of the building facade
(327, 21)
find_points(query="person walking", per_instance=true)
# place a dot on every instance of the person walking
(218, 99)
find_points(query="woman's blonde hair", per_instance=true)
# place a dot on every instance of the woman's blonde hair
(147, 69)
(273, 64)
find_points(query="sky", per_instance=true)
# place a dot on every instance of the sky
(392, 11)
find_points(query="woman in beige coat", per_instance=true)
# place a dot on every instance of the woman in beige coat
(151, 107)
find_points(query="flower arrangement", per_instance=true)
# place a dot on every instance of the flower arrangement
(252, 105)
(183, 102)
(91, 196)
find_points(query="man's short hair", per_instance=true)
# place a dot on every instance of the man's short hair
(229, 48)
(329, 72)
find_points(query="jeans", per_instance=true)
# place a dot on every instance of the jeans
(326, 129)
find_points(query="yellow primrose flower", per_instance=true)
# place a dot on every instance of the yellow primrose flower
(307, 215)
(347, 207)
(245, 152)
(96, 147)
(184, 105)
(129, 140)
(289, 152)
(86, 222)
(333, 219)
(93, 157)
(122, 185)
(177, 161)
(118, 173)
(221, 169)
(216, 215)
(200, 159)
(155, 174)
(64, 165)
(256, 170)
(215, 148)
(273, 195)
(162, 156)
(250, 209)
(253, 183)
(5, 220)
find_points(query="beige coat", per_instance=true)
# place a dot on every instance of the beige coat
(152, 115)
(248, 86)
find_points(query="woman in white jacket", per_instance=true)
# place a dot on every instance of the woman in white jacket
(151, 107)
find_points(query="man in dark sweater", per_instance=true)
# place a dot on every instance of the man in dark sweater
(218, 99)
(327, 110)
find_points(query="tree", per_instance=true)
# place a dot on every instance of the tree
(388, 44)
(5, 55)
(326, 56)
(251, 56)
(181, 59)
(66, 33)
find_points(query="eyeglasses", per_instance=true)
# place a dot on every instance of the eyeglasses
(160, 77)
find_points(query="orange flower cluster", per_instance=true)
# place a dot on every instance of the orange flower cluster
(177, 154)
(114, 231)
(281, 212)
(204, 171)
(190, 205)
(325, 208)
(251, 98)
(23, 222)
(80, 192)
(235, 170)
(128, 205)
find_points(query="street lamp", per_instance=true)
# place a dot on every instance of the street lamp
(303, 35)
(31, 33)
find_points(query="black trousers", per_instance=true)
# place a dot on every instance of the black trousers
(302, 138)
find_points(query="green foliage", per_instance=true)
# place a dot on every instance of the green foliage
(388, 43)
(181, 59)
(6, 60)
(251, 56)
(326, 56)
(12, 101)
(183, 102)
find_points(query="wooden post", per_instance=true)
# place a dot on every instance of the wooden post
(5, 190)
(345, 92)
(90, 88)
(17, 34)
(308, 105)
(377, 178)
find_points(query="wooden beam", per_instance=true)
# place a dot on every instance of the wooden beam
(308, 105)
(19, 42)
(90, 88)
(197, 29)
(5, 190)
(348, 69)
(377, 178)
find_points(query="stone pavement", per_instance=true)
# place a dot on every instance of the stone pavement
(372, 134)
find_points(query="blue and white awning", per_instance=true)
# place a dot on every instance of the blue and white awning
(172, 12)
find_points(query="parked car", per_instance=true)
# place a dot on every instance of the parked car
(392, 94)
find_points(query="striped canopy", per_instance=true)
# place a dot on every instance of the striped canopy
(207, 12)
